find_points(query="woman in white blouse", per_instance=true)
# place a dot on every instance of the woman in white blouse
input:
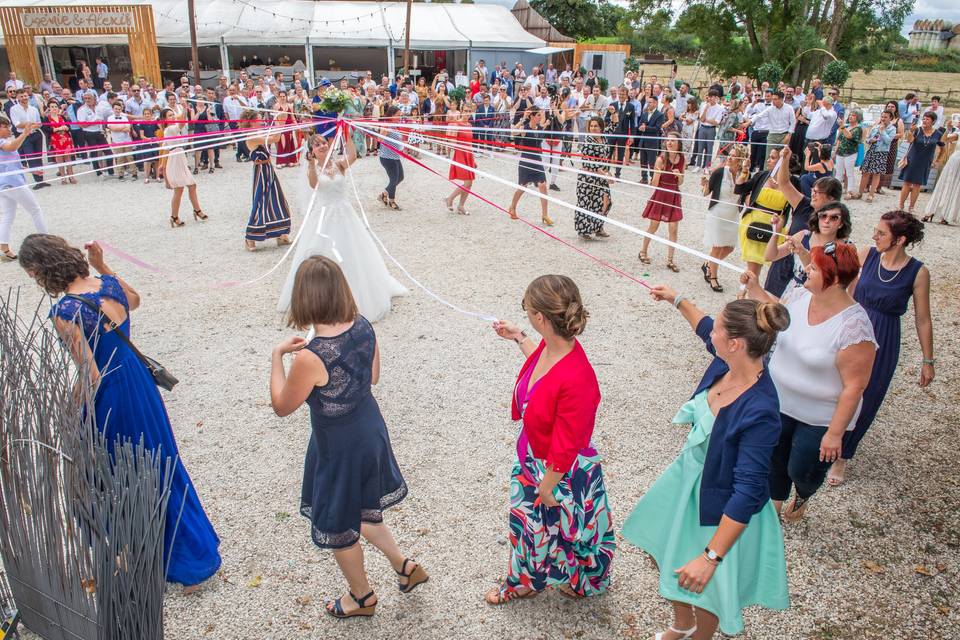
(821, 366)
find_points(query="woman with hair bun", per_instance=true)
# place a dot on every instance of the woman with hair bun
(888, 278)
(718, 542)
(821, 368)
(561, 531)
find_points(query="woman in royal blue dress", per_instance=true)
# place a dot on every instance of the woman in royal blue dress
(269, 213)
(888, 278)
(127, 403)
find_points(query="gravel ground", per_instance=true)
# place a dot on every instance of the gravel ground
(875, 558)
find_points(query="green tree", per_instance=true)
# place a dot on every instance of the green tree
(737, 36)
(581, 19)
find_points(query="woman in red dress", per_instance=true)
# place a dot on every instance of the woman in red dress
(474, 84)
(287, 155)
(664, 205)
(61, 145)
(461, 135)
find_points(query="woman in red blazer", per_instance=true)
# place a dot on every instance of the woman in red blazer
(561, 532)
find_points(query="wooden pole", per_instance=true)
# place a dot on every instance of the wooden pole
(406, 40)
(193, 42)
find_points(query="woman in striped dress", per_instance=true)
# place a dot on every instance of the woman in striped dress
(270, 214)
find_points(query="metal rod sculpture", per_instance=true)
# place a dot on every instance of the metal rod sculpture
(81, 519)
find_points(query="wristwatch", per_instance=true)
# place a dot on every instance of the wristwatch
(712, 555)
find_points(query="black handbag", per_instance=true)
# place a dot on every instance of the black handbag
(163, 378)
(759, 232)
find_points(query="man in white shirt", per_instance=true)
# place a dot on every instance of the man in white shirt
(134, 105)
(551, 74)
(567, 73)
(821, 122)
(711, 113)
(83, 90)
(92, 133)
(542, 100)
(782, 121)
(234, 105)
(121, 134)
(681, 99)
(13, 82)
(759, 129)
(31, 150)
(533, 80)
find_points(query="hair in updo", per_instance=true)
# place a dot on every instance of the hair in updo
(52, 262)
(904, 225)
(756, 322)
(558, 299)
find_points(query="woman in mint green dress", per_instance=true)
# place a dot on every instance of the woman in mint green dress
(708, 521)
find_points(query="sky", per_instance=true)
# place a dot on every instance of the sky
(923, 9)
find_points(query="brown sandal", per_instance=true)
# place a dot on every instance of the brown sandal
(644, 259)
(567, 592)
(672, 266)
(416, 577)
(497, 596)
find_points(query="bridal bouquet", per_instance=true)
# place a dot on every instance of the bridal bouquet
(335, 101)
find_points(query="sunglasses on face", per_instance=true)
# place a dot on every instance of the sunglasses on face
(832, 217)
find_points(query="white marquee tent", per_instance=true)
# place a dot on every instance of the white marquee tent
(342, 24)
(327, 27)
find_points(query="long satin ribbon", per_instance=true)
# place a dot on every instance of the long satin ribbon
(390, 142)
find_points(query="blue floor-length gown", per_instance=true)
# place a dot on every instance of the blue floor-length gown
(884, 294)
(128, 405)
(269, 212)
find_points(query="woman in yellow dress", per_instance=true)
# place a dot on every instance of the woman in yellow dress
(763, 202)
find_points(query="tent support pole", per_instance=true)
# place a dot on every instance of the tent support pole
(391, 62)
(308, 58)
(225, 60)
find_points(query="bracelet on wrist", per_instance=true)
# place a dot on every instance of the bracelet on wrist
(677, 300)
(523, 338)
(930, 361)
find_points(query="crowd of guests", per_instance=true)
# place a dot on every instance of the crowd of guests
(770, 426)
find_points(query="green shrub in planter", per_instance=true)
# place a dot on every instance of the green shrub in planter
(835, 74)
(770, 72)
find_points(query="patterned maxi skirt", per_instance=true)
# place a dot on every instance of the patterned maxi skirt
(571, 544)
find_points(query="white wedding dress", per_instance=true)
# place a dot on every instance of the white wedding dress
(334, 229)
(944, 204)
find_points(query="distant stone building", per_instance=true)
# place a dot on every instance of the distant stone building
(935, 35)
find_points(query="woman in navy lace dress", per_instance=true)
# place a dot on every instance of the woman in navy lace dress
(350, 475)
(127, 403)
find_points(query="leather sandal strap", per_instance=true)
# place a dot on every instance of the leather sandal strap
(403, 569)
(338, 607)
(360, 601)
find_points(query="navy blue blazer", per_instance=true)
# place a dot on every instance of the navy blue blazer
(745, 433)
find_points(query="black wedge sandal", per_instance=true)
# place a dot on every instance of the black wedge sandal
(416, 577)
(716, 287)
(364, 611)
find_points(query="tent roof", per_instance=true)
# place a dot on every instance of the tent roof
(536, 24)
(345, 24)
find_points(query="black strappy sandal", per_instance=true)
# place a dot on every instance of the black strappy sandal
(716, 287)
(706, 272)
(393, 205)
(416, 577)
(364, 611)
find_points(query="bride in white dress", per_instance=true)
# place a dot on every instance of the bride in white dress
(944, 204)
(334, 229)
